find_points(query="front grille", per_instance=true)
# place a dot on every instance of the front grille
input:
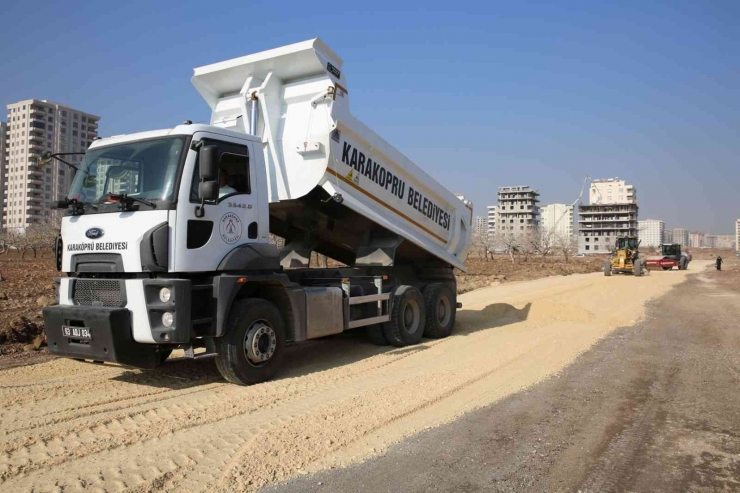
(97, 262)
(98, 292)
(97, 257)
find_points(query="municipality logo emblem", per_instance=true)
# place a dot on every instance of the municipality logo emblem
(230, 228)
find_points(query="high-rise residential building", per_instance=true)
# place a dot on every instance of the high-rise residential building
(492, 211)
(668, 236)
(37, 126)
(650, 232)
(480, 226)
(681, 236)
(3, 167)
(611, 213)
(599, 226)
(611, 191)
(517, 209)
(557, 219)
(737, 235)
(696, 239)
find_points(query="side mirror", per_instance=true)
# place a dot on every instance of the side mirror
(208, 190)
(207, 159)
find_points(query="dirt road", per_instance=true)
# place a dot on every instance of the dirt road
(652, 408)
(78, 427)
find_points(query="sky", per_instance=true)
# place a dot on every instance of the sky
(479, 94)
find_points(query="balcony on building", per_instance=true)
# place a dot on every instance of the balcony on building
(37, 110)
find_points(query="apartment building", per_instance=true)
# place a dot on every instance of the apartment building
(696, 239)
(480, 226)
(3, 166)
(557, 219)
(611, 191)
(600, 225)
(650, 232)
(517, 209)
(611, 213)
(34, 127)
(668, 236)
(492, 211)
(737, 235)
(725, 241)
(681, 236)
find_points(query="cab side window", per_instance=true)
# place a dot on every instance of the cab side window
(233, 175)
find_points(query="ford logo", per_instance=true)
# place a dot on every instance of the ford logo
(94, 233)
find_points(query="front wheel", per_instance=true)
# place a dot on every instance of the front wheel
(253, 345)
(607, 268)
(638, 268)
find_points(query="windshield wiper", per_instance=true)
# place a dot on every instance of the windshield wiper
(127, 200)
(75, 207)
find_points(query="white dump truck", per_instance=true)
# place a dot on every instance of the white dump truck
(165, 237)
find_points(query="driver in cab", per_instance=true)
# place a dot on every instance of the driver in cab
(223, 184)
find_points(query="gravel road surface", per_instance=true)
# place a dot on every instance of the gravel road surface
(70, 426)
(653, 407)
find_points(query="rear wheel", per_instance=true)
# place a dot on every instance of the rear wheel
(667, 267)
(441, 308)
(406, 326)
(252, 347)
(682, 264)
(638, 267)
(607, 268)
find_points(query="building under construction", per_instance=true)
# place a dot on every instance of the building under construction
(608, 217)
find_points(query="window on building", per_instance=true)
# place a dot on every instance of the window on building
(588, 247)
(596, 247)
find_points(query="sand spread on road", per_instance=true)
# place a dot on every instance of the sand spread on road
(69, 426)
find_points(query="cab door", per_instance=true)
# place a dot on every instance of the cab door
(203, 237)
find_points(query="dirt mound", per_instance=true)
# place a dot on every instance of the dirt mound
(26, 286)
(20, 329)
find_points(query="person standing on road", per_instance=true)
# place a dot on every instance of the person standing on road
(719, 263)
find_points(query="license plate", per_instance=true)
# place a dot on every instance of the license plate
(76, 332)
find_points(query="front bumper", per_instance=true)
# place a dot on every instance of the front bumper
(111, 336)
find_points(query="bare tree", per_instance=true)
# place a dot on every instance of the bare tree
(565, 244)
(539, 241)
(509, 241)
(484, 244)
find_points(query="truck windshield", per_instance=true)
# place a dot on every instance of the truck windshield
(145, 169)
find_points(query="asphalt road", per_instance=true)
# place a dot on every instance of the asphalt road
(653, 407)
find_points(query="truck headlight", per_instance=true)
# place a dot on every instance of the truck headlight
(165, 294)
(167, 319)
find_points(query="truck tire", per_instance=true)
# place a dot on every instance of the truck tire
(376, 335)
(607, 268)
(682, 264)
(253, 344)
(406, 326)
(638, 267)
(441, 308)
